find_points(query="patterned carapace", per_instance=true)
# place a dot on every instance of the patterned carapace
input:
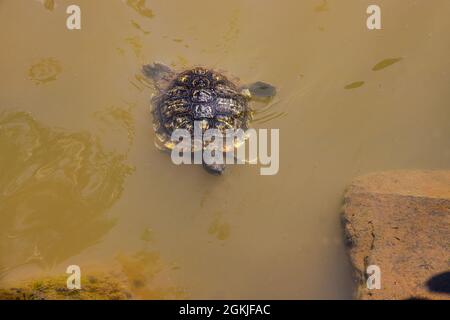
(200, 95)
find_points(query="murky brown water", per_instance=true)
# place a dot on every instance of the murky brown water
(82, 183)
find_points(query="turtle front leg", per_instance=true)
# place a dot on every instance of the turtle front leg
(159, 73)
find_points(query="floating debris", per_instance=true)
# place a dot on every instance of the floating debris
(138, 27)
(386, 63)
(49, 4)
(135, 44)
(120, 51)
(354, 85)
(322, 7)
(147, 235)
(219, 229)
(140, 7)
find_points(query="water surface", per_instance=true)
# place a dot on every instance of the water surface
(82, 183)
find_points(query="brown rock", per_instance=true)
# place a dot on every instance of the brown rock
(400, 221)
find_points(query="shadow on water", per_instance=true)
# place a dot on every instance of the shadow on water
(55, 191)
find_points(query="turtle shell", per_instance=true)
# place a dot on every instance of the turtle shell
(199, 96)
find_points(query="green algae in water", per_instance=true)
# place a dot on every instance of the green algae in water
(385, 63)
(94, 287)
(147, 235)
(323, 7)
(219, 229)
(139, 27)
(49, 4)
(140, 7)
(354, 85)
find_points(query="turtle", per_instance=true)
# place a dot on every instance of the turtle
(200, 95)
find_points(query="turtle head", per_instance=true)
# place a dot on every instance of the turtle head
(215, 169)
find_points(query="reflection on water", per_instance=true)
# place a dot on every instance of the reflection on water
(55, 191)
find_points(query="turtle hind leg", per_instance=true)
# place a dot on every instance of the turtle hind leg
(261, 91)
